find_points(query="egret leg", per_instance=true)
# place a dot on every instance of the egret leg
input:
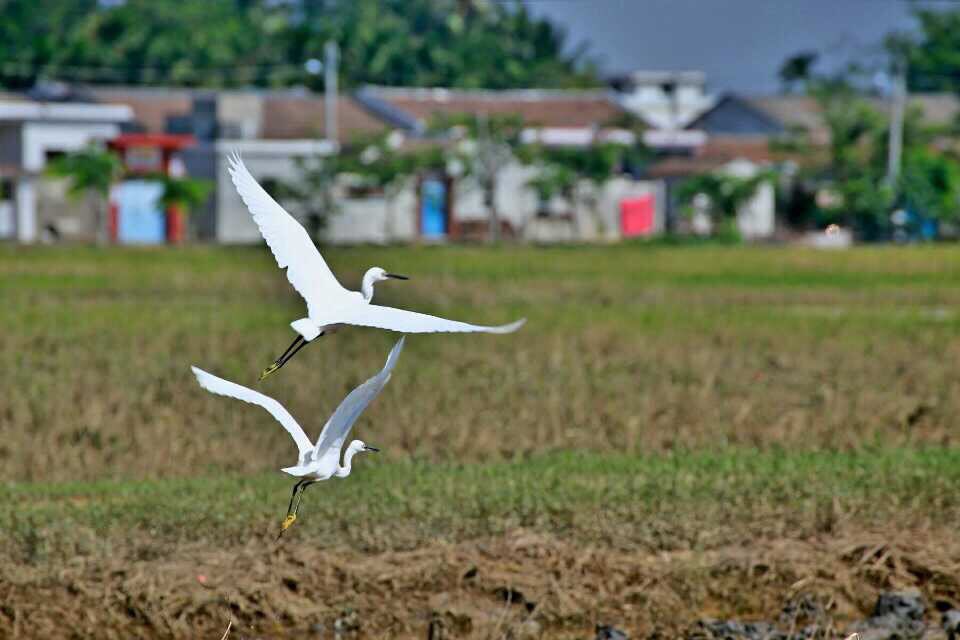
(296, 509)
(291, 351)
(291, 517)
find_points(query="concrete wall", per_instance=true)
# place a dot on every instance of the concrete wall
(41, 201)
(595, 213)
(266, 160)
(757, 218)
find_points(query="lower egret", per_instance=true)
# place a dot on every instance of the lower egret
(320, 461)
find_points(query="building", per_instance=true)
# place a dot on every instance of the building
(33, 130)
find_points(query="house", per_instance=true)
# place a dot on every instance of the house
(448, 206)
(273, 129)
(33, 129)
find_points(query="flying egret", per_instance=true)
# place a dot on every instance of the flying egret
(329, 305)
(320, 461)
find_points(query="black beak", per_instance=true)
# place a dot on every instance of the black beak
(369, 448)
(396, 277)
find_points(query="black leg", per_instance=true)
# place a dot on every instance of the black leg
(293, 344)
(298, 342)
(296, 509)
(293, 494)
(285, 359)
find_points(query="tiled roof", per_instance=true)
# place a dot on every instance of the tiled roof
(288, 117)
(151, 106)
(537, 107)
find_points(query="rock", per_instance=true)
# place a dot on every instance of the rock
(906, 605)
(951, 624)
(734, 630)
(528, 630)
(896, 615)
(348, 623)
(606, 632)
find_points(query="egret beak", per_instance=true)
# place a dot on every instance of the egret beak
(372, 449)
(396, 276)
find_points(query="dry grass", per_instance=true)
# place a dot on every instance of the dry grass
(632, 348)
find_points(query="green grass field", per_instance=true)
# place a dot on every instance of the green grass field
(659, 398)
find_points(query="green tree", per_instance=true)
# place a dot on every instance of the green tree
(725, 195)
(930, 184)
(933, 56)
(797, 70)
(228, 43)
(90, 172)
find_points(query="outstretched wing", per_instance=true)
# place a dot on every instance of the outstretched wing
(288, 240)
(404, 321)
(222, 387)
(340, 423)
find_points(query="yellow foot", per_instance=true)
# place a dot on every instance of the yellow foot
(289, 520)
(269, 370)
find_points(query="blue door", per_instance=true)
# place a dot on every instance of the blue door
(140, 217)
(433, 208)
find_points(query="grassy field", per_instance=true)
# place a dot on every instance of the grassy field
(686, 400)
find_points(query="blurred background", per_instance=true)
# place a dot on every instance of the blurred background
(731, 225)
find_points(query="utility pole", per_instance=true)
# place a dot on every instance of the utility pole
(330, 60)
(898, 108)
(488, 180)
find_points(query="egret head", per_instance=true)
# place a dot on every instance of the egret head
(360, 446)
(377, 274)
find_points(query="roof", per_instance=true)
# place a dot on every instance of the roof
(289, 117)
(65, 112)
(545, 108)
(795, 112)
(160, 140)
(731, 114)
(151, 106)
(805, 112)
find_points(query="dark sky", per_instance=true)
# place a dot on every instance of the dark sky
(740, 44)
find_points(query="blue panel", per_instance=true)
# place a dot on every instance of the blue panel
(433, 208)
(140, 216)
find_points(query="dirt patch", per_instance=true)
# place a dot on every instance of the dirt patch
(522, 584)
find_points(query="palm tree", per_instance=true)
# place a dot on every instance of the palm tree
(90, 171)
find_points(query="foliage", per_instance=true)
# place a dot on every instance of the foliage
(930, 184)
(90, 172)
(725, 193)
(91, 169)
(457, 43)
(932, 57)
(185, 193)
(797, 70)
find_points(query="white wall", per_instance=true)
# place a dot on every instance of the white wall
(38, 138)
(757, 218)
(596, 216)
(264, 159)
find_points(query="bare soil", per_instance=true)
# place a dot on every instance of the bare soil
(518, 585)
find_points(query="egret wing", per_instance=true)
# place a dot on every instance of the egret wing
(288, 240)
(371, 315)
(340, 423)
(222, 387)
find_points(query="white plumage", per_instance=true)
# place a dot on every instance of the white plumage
(328, 303)
(318, 461)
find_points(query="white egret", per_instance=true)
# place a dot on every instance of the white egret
(329, 305)
(320, 461)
